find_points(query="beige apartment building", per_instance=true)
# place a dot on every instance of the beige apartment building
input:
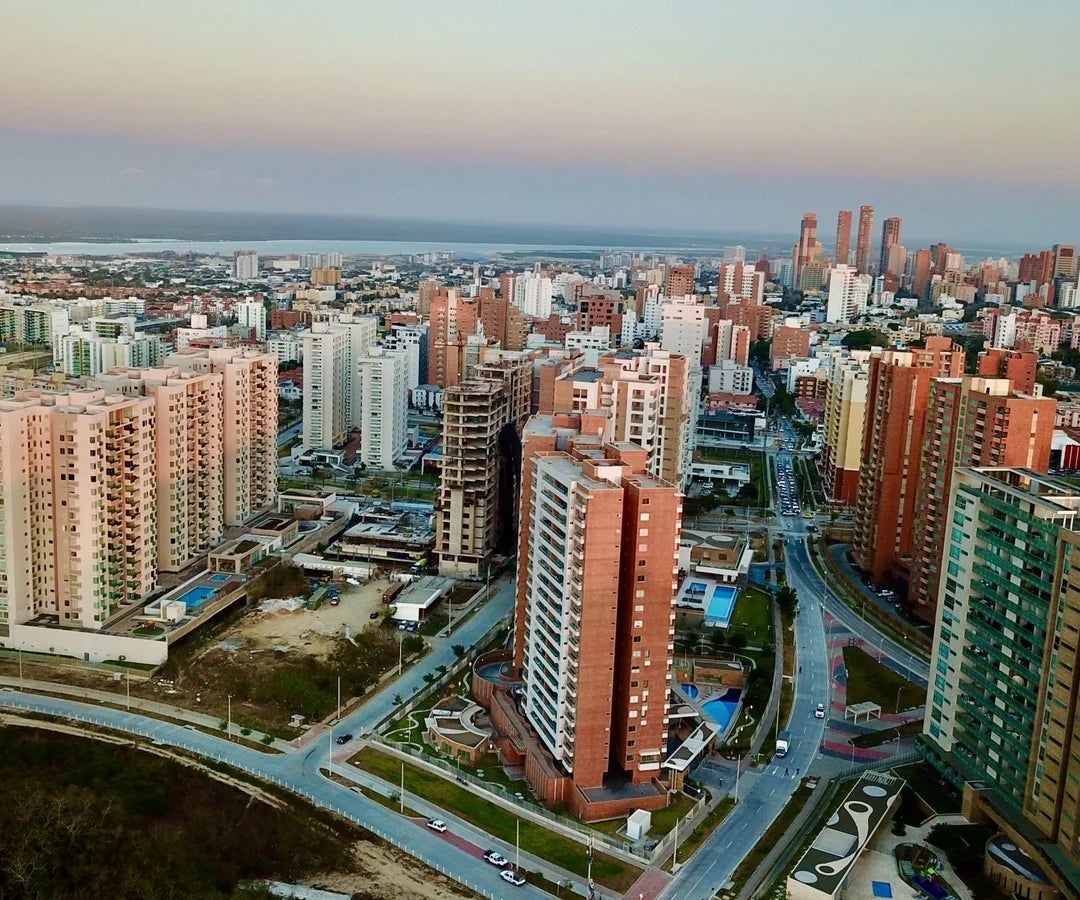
(249, 425)
(78, 531)
(189, 464)
(845, 418)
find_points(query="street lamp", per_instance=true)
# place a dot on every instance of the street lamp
(898, 690)
(228, 721)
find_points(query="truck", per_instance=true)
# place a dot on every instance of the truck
(783, 741)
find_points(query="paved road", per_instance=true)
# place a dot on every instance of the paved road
(764, 792)
(299, 769)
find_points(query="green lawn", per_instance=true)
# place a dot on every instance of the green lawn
(755, 459)
(753, 615)
(868, 679)
(498, 821)
(663, 820)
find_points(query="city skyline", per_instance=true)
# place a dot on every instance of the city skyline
(483, 115)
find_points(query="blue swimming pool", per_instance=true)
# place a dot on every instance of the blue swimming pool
(691, 691)
(196, 596)
(721, 604)
(721, 709)
(696, 587)
(221, 577)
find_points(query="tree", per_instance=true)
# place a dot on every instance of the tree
(787, 598)
(761, 351)
(736, 640)
(864, 339)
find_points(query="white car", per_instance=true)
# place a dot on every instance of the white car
(496, 858)
(436, 825)
(819, 713)
(512, 877)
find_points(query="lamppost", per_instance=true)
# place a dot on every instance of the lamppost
(228, 721)
(898, 690)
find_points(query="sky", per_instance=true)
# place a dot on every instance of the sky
(961, 116)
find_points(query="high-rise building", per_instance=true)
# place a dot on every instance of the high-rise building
(189, 441)
(848, 291)
(475, 501)
(679, 280)
(684, 328)
(806, 251)
(245, 265)
(897, 396)
(843, 238)
(515, 370)
(382, 396)
(890, 237)
(598, 564)
(645, 397)
(789, 343)
(1065, 261)
(920, 273)
(1019, 366)
(1001, 711)
(453, 320)
(249, 395)
(738, 281)
(331, 379)
(970, 421)
(252, 314)
(532, 295)
(77, 523)
(845, 417)
(863, 239)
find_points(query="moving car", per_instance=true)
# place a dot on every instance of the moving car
(511, 876)
(496, 858)
(436, 825)
(343, 739)
(819, 713)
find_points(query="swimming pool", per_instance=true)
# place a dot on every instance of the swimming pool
(721, 709)
(221, 577)
(721, 604)
(690, 690)
(196, 596)
(696, 587)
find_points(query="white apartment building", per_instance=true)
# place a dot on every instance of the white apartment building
(81, 354)
(245, 265)
(198, 330)
(412, 340)
(848, 291)
(532, 294)
(728, 377)
(592, 343)
(287, 346)
(684, 328)
(252, 314)
(382, 400)
(331, 350)
(739, 280)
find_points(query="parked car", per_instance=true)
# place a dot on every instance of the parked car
(819, 713)
(374, 615)
(436, 825)
(496, 858)
(512, 877)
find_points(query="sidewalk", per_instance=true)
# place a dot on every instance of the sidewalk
(150, 707)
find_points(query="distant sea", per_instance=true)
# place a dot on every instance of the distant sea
(472, 251)
(115, 231)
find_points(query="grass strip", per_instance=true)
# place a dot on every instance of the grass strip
(499, 821)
